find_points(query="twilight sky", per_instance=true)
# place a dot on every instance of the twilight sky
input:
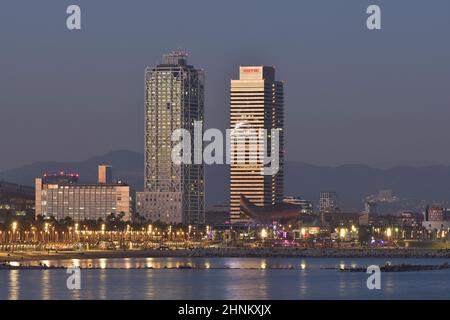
(351, 95)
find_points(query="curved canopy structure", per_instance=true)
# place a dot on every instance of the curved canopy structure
(267, 214)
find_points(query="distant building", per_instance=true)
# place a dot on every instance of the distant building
(436, 225)
(15, 200)
(434, 219)
(434, 213)
(364, 219)
(165, 207)
(447, 214)
(385, 195)
(60, 196)
(370, 207)
(14, 188)
(328, 202)
(410, 219)
(306, 206)
(377, 220)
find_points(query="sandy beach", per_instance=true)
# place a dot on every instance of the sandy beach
(228, 252)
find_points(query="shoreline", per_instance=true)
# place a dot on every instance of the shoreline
(228, 253)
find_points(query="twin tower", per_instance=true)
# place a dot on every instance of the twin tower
(174, 99)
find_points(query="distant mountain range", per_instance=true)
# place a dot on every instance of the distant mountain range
(415, 185)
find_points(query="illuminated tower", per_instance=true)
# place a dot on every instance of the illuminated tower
(174, 99)
(256, 103)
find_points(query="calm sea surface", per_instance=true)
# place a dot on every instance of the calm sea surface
(225, 278)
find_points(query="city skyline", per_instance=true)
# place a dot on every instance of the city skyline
(189, 152)
(365, 97)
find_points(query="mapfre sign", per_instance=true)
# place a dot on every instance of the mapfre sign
(251, 73)
(251, 70)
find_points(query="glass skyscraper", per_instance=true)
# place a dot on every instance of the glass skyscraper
(174, 99)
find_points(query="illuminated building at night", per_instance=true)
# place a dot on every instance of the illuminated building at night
(174, 99)
(434, 213)
(434, 219)
(60, 195)
(256, 103)
(328, 202)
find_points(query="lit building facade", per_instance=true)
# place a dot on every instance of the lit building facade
(256, 103)
(79, 201)
(306, 206)
(434, 213)
(174, 99)
(435, 219)
(327, 202)
(410, 219)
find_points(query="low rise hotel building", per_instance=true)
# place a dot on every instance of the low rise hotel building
(60, 195)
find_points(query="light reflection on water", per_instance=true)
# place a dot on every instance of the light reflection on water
(102, 285)
(103, 263)
(45, 285)
(303, 283)
(14, 284)
(223, 278)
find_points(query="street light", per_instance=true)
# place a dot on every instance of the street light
(263, 233)
(14, 228)
(342, 233)
(303, 232)
(389, 233)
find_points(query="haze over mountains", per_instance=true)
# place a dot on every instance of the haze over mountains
(416, 186)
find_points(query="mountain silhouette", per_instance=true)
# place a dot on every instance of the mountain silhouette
(352, 182)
